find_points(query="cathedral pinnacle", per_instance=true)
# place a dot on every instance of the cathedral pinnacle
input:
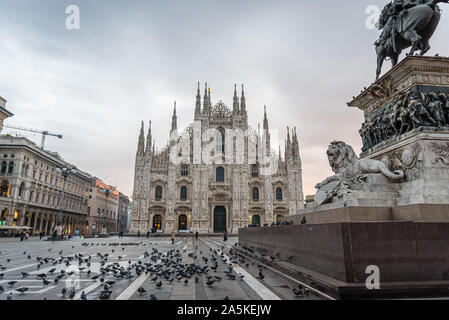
(174, 122)
(243, 102)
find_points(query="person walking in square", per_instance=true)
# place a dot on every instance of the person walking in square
(173, 236)
(196, 235)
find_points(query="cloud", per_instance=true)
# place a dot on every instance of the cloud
(130, 62)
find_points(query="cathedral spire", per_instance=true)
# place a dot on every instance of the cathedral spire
(149, 139)
(205, 102)
(295, 151)
(288, 151)
(174, 120)
(141, 142)
(198, 102)
(265, 119)
(235, 107)
(209, 101)
(243, 102)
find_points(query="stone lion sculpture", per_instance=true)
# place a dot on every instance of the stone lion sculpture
(349, 169)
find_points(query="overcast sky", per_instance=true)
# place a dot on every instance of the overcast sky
(131, 59)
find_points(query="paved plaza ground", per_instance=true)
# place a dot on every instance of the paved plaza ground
(17, 257)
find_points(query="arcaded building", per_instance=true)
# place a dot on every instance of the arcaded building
(218, 174)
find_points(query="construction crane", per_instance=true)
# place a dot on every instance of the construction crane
(44, 133)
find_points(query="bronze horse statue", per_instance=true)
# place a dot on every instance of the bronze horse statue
(414, 29)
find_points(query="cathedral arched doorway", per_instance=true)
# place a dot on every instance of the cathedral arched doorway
(219, 219)
(157, 222)
(255, 221)
(182, 225)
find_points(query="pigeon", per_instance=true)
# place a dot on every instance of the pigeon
(153, 297)
(298, 292)
(11, 283)
(45, 282)
(141, 291)
(2, 289)
(83, 296)
(186, 281)
(2, 275)
(52, 270)
(63, 291)
(104, 295)
(22, 289)
(226, 298)
(72, 294)
(159, 284)
(24, 274)
(9, 297)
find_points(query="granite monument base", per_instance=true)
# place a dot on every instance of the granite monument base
(412, 257)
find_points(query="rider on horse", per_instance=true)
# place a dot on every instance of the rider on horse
(395, 10)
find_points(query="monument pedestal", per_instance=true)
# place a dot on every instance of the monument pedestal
(390, 207)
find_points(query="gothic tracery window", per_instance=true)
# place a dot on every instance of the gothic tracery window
(183, 194)
(256, 194)
(184, 170)
(254, 170)
(279, 194)
(219, 174)
(220, 140)
(158, 192)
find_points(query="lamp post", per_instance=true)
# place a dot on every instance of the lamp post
(107, 192)
(64, 172)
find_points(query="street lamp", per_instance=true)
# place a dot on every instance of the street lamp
(106, 192)
(64, 172)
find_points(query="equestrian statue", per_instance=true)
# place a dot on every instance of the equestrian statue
(404, 24)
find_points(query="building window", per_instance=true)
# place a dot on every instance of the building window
(184, 170)
(279, 194)
(254, 170)
(11, 167)
(220, 174)
(220, 140)
(4, 188)
(21, 189)
(158, 193)
(4, 166)
(256, 194)
(31, 195)
(183, 195)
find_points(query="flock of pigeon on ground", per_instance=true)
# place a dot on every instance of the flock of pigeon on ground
(161, 266)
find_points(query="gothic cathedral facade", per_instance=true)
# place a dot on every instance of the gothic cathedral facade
(218, 174)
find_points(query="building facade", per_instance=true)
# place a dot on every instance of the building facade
(102, 209)
(218, 174)
(123, 204)
(4, 114)
(31, 189)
